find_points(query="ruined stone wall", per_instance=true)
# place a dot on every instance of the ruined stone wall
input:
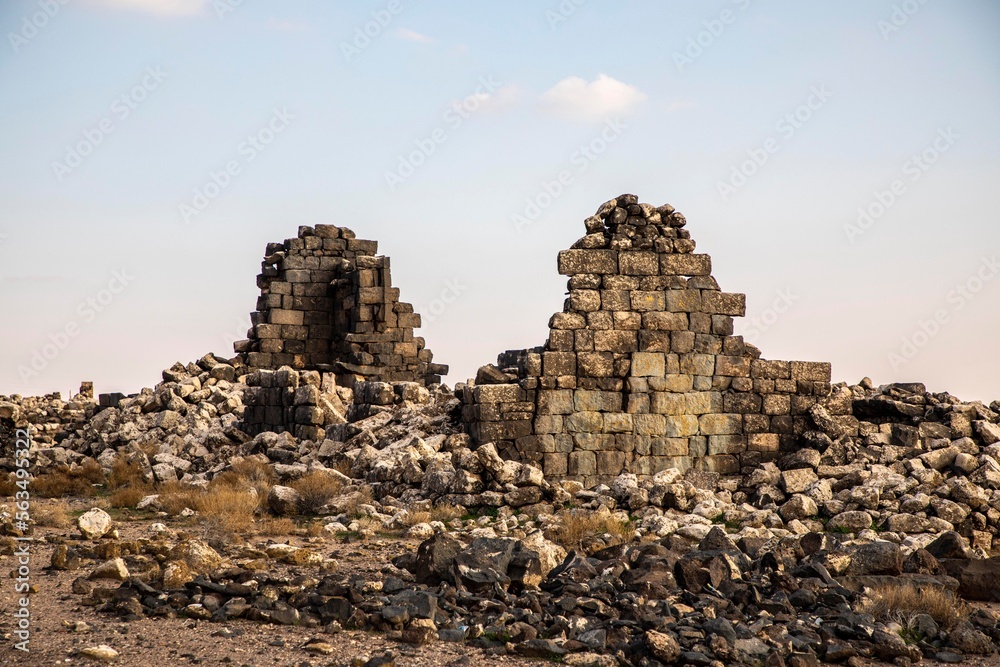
(641, 371)
(327, 307)
(327, 303)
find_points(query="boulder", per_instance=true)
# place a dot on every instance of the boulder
(94, 524)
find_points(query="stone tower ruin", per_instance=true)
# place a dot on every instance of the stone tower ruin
(641, 370)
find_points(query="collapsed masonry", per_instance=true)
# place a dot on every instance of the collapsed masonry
(641, 371)
(327, 304)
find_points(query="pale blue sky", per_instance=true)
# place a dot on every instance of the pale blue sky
(540, 90)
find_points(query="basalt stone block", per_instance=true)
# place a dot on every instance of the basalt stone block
(732, 366)
(684, 301)
(648, 364)
(685, 265)
(720, 424)
(679, 426)
(595, 364)
(582, 463)
(772, 370)
(665, 321)
(813, 371)
(616, 341)
(645, 301)
(723, 303)
(572, 262)
(639, 263)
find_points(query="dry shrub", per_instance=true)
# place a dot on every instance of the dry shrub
(276, 527)
(227, 509)
(52, 515)
(91, 471)
(576, 525)
(317, 489)
(126, 473)
(443, 512)
(221, 506)
(246, 474)
(901, 602)
(62, 482)
(314, 529)
(175, 497)
(8, 486)
(128, 496)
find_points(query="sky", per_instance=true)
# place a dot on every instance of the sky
(838, 161)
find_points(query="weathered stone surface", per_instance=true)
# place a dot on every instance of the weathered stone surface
(94, 523)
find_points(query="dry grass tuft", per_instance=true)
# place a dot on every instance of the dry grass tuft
(69, 481)
(127, 483)
(128, 496)
(444, 512)
(176, 497)
(126, 473)
(317, 489)
(227, 509)
(901, 602)
(249, 474)
(220, 506)
(8, 487)
(577, 525)
(52, 515)
(276, 527)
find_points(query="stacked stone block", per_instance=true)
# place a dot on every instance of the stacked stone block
(327, 303)
(286, 400)
(641, 371)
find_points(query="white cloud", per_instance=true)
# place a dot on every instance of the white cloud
(158, 7)
(602, 98)
(413, 36)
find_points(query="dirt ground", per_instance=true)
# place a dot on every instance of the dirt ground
(57, 613)
(158, 642)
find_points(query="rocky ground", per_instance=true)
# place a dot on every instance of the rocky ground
(872, 542)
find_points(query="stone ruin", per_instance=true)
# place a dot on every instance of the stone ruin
(327, 305)
(641, 371)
